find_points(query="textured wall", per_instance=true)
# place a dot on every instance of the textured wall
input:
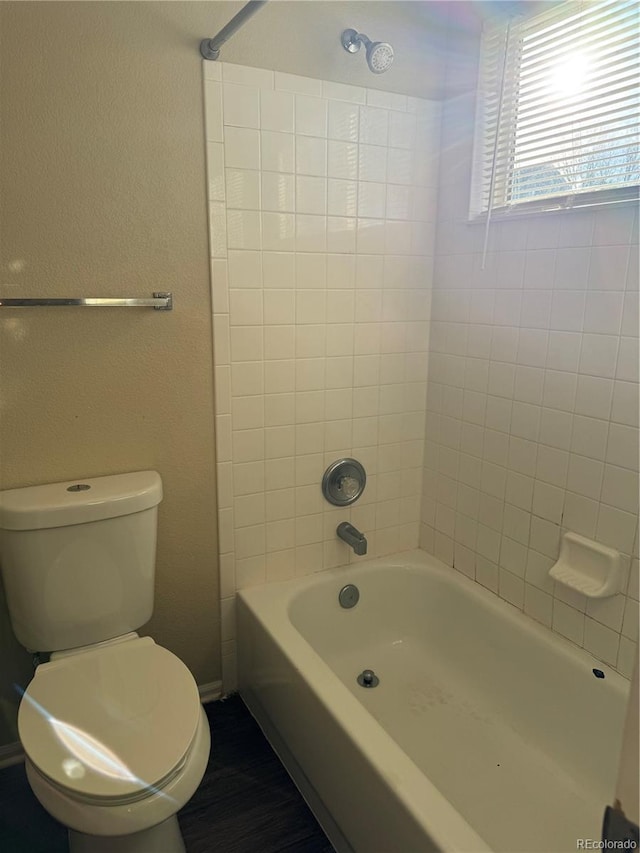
(104, 194)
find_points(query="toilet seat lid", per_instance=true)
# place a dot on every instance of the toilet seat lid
(112, 722)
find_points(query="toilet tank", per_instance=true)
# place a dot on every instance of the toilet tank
(78, 558)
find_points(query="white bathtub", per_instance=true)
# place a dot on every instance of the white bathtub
(486, 732)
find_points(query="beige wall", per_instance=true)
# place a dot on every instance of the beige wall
(104, 194)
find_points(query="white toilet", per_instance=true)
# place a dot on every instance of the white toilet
(115, 737)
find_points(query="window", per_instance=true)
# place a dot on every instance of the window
(558, 109)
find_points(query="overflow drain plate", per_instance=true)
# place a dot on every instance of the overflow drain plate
(368, 678)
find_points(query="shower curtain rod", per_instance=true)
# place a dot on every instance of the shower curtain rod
(210, 48)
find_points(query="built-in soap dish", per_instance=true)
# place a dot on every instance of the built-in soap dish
(587, 566)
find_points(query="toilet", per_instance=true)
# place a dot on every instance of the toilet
(114, 734)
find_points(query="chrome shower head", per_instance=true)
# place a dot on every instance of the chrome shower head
(379, 53)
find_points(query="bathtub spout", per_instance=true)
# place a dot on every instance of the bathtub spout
(348, 533)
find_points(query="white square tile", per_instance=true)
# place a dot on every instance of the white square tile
(311, 116)
(589, 437)
(311, 156)
(278, 232)
(402, 130)
(247, 412)
(548, 502)
(297, 84)
(341, 234)
(244, 229)
(241, 148)
(537, 571)
(572, 269)
(279, 307)
(311, 195)
(311, 306)
(311, 233)
(248, 445)
(564, 351)
(245, 269)
(215, 171)
(616, 528)
(278, 192)
(608, 267)
(580, 514)
(246, 76)
(243, 189)
(220, 287)
(627, 368)
(529, 383)
(552, 465)
(539, 268)
(601, 641)
(342, 160)
(624, 408)
(279, 378)
(246, 343)
(343, 121)
(342, 198)
(568, 311)
(538, 605)
(593, 397)
(568, 622)
(620, 488)
(311, 271)
(277, 151)
(585, 476)
(247, 378)
(555, 428)
(525, 421)
(310, 341)
(279, 342)
(511, 588)
(248, 478)
(599, 355)
(374, 126)
(622, 446)
(372, 163)
(278, 270)
(371, 200)
(276, 111)
(603, 312)
(344, 92)
(213, 111)
(279, 410)
(545, 537)
(241, 105)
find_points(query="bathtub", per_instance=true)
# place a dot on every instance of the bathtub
(486, 731)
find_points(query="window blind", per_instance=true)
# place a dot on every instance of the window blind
(558, 109)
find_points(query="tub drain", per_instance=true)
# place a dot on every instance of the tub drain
(368, 678)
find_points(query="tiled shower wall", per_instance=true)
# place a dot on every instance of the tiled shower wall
(322, 214)
(532, 422)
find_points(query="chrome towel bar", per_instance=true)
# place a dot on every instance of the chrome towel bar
(159, 301)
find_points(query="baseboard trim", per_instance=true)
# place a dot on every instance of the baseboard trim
(210, 692)
(10, 754)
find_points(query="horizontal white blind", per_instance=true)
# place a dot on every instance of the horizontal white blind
(560, 126)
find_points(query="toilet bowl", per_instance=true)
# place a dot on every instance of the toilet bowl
(115, 738)
(116, 742)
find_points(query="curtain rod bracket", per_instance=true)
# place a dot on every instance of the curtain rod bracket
(210, 48)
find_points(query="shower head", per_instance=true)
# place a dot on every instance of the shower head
(379, 53)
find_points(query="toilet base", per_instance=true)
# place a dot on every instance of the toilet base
(165, 837)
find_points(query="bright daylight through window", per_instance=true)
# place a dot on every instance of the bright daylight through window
(558, 109)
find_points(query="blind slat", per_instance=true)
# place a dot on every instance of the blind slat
(541, 136)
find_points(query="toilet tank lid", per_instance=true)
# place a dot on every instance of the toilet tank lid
(79, 501)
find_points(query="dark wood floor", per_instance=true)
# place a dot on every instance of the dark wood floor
(245, 804)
